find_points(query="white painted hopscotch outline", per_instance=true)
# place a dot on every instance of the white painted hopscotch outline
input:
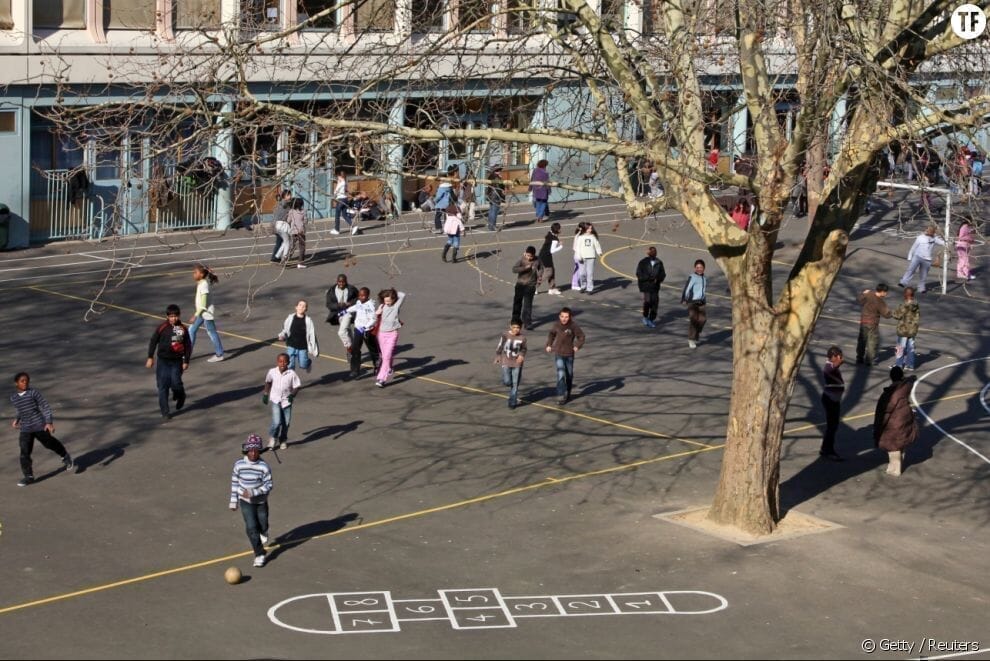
(447, 608)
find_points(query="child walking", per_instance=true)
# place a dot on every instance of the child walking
(34, 421)
(388, 330)
(510, 354)
(204, 315)
(250, 484)
(170, 344)
(453, 227)
(281, 386)
(297, 229)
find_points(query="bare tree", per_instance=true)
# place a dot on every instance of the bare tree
(604, 89)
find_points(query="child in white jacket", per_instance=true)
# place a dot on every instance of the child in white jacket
(587, 249)
(299, 335)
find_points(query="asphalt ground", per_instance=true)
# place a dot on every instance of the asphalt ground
(468, 530)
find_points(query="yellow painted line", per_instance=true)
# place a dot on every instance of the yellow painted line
(411, 375)
(868, 415)
(362, 526)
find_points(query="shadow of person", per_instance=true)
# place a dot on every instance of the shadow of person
(224, 397)
(308, 531)
(105, 455)
(330, 430)
(601, 385)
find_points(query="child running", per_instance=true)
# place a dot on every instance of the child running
(281, 386)
(34, 421)
(250, 484)
(204, 315)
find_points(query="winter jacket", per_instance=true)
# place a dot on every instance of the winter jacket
(894, 424)
(563, 340)
(453, 225)
(312, 348)
(650, 274)
(528, 273)
(334, 308)
(588, 246)
(908, 315)
(874, 307)
(539, 184)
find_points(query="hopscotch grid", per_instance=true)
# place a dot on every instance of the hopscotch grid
(612, 602)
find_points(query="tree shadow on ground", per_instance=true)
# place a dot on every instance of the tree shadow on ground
(225, 397)
(336, 431)
(105, 456)
(304, 533)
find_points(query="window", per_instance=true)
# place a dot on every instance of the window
(474, 14)
(427, 15)
(6, 18)
(197, 14)
(520, 15)
(375, 15)
(8, 121)
(613, 12)
(129, 14)
(308, 8)
(54, 14)
(259, 14)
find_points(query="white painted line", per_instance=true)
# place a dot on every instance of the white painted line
(113, 260)
(948, 656)
(917, 406)
(983, 397)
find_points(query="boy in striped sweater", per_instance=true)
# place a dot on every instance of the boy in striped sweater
(34, 421)
(250, 484)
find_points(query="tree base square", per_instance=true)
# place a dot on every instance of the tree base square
(792, 525)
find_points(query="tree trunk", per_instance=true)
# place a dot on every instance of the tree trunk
(748, 496)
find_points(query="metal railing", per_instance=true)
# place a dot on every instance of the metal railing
(191, 206)
(70, 212)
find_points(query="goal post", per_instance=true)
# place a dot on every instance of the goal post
(948, 217)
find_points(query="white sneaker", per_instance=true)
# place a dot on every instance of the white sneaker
(354, 230)
(334, 232)
(214, 359)
(271, 443)
(692, 344)
(264, 539)
(259, 561)
(283, 446)
(300, 266)
(554, 292)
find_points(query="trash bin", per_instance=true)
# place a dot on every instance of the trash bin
(4, 226)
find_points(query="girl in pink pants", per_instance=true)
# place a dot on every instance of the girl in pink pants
(964, 241)
(390, 302)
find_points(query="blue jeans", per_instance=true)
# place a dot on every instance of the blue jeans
(255, 523)
(341, 210)
(542, 208)
(301, 354)
(168, 374)
(565, 375)
(281, 419)
(211, 330)
(905, 352)
(454, 240)
(511, 376)
(493, 210)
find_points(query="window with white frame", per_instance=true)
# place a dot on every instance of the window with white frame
(310, 8)
(6, 17)
(197, 14)
(520, 15)
(63, 14)
(427, 15)
(374, 15)
(474, 15)
(129, 14)
(260, 14)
